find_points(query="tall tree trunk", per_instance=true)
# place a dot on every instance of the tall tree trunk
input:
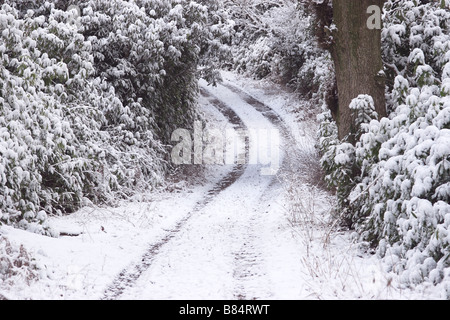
(357, 57)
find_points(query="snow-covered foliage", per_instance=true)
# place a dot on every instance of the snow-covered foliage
(150, 50)
(44, 163)
(393, 185)
(88, 98)
(16, 264)
(275, 39)
(339, 157)
(415, 41)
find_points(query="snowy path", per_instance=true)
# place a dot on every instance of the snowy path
(228, 233)
(231, 245)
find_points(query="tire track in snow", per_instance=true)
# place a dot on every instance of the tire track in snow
(290, 145)
(252, 281)
(248, 261)
(128, 277)
(249, 264)
(266, 111)
(247, 242)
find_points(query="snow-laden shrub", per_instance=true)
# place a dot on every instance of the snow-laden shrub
(16, 264)
(150, 50)
(87, 102)
(43, 166)
(398, 197)
(276, 40)
(405, 198)
(341, 160)
(412, 34)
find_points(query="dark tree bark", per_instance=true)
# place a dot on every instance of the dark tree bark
(356, 52)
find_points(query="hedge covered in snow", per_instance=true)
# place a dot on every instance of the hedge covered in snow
(276, 40)
(393, 186)
(89, 96)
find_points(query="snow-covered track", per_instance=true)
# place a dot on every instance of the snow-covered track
(128, 276)
(228, 245)
(249, 265)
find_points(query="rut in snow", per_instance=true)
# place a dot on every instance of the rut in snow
(248, 265)
(248, 262)
(128, 277)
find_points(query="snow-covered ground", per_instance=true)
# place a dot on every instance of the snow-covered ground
(244, 242)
